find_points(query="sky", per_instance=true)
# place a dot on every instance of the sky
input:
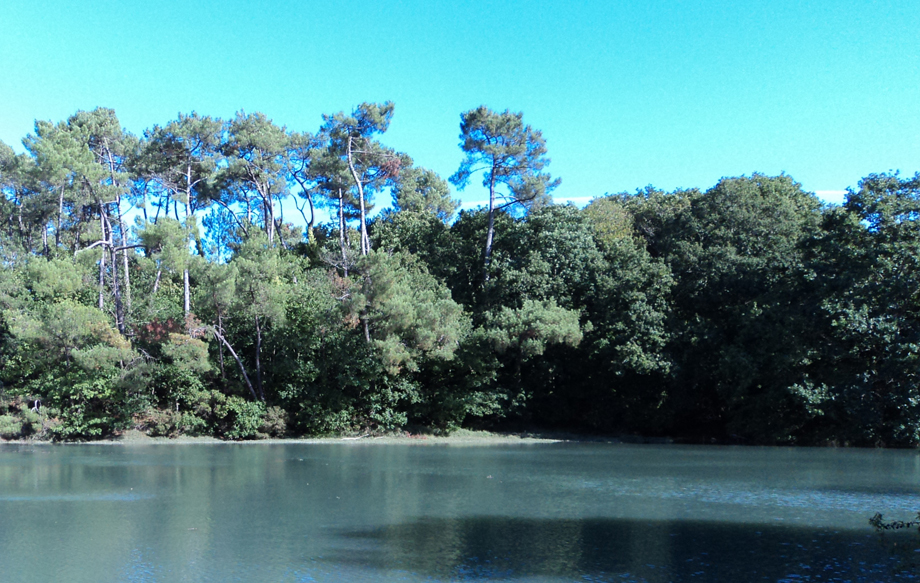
(672, 93)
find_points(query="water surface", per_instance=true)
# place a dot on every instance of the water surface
(419, 512)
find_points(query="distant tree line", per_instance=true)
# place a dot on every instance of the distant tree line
(154, 282)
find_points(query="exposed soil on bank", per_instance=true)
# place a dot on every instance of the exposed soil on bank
(459, 437)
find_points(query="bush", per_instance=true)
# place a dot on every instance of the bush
(160, 423)
(10, 427)
(237, 418)
(274, 422)
(321, 419)
(20, 420)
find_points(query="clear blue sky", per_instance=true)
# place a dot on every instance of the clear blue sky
(672, 93)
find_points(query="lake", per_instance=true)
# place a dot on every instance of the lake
(364, 511)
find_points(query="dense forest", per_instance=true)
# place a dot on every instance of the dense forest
(154, 282)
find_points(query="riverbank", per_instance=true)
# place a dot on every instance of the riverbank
(459, 437)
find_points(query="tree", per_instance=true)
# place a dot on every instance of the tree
(15, 198)
(371, 165)
(181, 158)
(863, 378)
(420, 190)
(303, 148)
(624, 370)
(419, 221)
(70, 356)
(59, 156)
(527, 332)
(262, 290)
(409, 315)
(166, 244)
(107, 184)
(511, 155)
(256, 150)
(738, 321)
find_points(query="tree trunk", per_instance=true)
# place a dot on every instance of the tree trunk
(342, 243)
(124, 256)
(270, 220)
(119, 306)
(124, 238)
(238, 362)
(268, 209)
(57, 231)
(186, 292)
(116, 291)
(102, 259)
(365, 241)
(258, 360)
(220, 348)
(186, 296)
(491, 232)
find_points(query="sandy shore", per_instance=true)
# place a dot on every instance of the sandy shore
(460, 437)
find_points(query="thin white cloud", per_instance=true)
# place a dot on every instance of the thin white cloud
(831, 196)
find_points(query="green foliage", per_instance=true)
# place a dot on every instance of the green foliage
(187, 353)
(10, 427)
(512, 157)
(237, 418)
(862, 382)
(528, 330)
(166, 243)
(166, 423)
(747, 313)
(552, 255)
(626, 368)
(64, 327)
(611, 220)
(422, 191)
(510, 154)
(410, 315)
(629, 308)
(260, 282)
(421, 234)
(57, 279)
(20, 419)
(274, 422)
(87, 405)
(518, 335)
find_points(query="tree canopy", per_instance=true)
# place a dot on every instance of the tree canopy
(154, 282)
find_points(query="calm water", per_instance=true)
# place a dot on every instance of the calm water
(417, 512)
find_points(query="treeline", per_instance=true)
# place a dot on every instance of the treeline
(154, 282)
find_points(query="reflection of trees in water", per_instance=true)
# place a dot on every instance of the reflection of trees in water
(907, 551)
(613, 549)
(126, 512)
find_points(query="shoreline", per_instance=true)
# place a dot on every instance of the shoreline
(460, 437)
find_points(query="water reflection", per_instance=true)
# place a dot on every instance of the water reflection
(497, 548)
(355, 512)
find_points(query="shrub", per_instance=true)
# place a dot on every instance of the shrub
(10, 427)
(274, 422)
(237, 418)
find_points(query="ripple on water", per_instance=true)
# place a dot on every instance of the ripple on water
(107, 497)
(747, 494)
